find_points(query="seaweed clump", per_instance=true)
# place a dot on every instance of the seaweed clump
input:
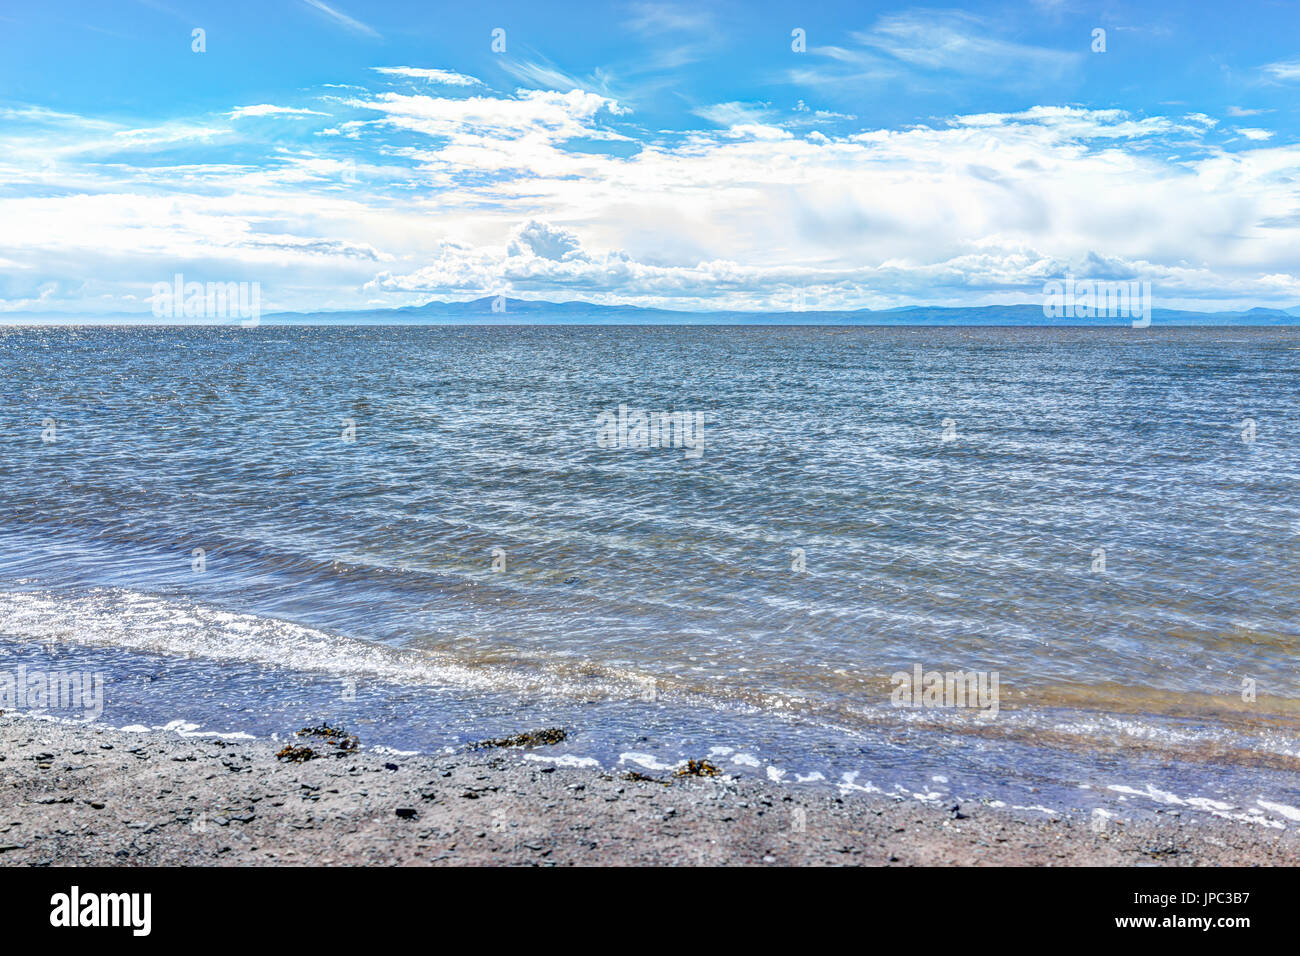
(334, 736)
(296, 754)
(698, 768)
(533, 738)
(637, 777)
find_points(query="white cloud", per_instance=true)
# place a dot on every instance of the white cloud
(988, 207)
(558, 195)
(543, 240)
(958, 42)
(266, 109)
(40, 114)
(1066, 123)
(655, 18)
(155, 136)
(546, 75)
(438, 77)
(540, 112)
(1285, 70)
(916, 44)
(356, 26)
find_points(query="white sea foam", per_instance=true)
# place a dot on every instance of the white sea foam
(1291, 813)
(848, 784)
(130, 620)
(646, 761)
(1160, 796)
(564, 760)
(1217, 808)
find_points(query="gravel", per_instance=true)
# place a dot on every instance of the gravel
(75, 794)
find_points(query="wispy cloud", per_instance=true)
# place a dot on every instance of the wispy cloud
(1284, 70)
(169, 134)
(44, 116)
(660, 18)
(733, 113)
(266, 109)
(547, 75)
(675, 36)
(342, 18)
(922, 44)
(960, 43)
(435, 77)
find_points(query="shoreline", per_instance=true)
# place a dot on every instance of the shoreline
(86, 795)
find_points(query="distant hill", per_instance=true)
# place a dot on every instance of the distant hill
(537, 312)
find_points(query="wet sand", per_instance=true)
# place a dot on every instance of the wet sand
(74, 795)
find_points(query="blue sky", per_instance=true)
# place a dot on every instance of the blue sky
(349, 155)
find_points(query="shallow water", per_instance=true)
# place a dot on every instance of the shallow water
(647, 600)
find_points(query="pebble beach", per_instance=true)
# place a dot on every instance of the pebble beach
(73, 795)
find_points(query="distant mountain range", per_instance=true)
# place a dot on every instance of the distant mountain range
(536, 312)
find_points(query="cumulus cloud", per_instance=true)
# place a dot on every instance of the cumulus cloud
(550, 194)
(545, 241)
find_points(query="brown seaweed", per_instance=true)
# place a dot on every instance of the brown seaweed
(698, 768)
(533, 738)
(296, 754)
(334, 736)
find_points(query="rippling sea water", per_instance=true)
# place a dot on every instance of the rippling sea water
(951, 491)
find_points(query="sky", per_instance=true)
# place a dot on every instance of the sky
(693, 156)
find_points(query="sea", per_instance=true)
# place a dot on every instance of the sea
(784, 550)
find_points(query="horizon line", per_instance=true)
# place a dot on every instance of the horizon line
(62, 317)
